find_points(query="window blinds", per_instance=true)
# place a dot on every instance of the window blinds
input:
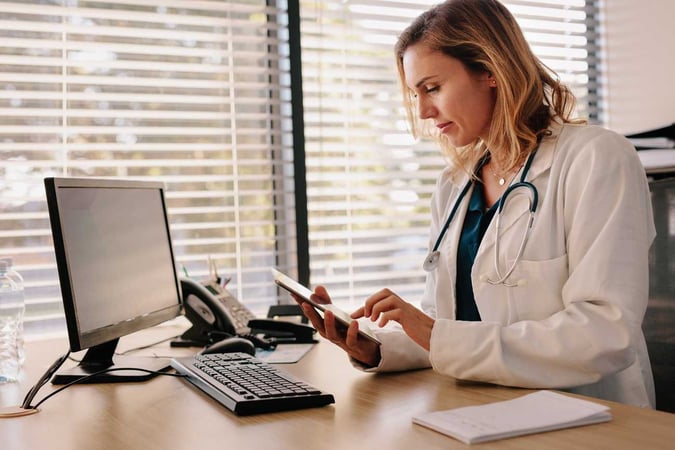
(191, 93)
(196, 93)
(368, 182)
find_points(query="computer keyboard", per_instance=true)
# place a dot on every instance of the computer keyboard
(246, 385)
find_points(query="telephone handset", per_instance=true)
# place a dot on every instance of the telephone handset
(216, 314)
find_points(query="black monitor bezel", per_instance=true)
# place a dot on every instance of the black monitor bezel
(78, 339)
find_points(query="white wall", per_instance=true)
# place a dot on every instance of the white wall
(639, 64)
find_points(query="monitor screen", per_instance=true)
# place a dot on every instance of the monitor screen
(115, 263)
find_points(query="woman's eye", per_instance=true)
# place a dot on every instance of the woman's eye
(431, 89)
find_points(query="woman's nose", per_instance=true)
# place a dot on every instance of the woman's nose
(425, 108)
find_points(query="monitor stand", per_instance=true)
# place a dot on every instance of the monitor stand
(102, 357)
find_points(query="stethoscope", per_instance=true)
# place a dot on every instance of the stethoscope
(431, 261)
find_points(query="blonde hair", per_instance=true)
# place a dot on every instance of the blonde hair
(486, 38)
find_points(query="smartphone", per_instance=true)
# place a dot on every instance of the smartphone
(305, 294)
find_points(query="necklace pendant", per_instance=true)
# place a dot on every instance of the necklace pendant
(502, 181)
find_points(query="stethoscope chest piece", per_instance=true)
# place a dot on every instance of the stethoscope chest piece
(431, 261)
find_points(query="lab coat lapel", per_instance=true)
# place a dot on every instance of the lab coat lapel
(451, 243)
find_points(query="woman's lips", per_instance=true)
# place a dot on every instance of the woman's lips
(444, 126)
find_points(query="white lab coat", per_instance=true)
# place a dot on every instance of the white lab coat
(574, 323)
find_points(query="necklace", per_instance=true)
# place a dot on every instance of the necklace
(502, 179)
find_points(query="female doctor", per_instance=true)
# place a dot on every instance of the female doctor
(540, 230)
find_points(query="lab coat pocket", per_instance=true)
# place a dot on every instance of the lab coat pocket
(538, 293)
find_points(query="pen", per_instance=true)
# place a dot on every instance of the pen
(224, 281)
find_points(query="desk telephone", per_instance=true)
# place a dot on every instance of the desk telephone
(215, 314)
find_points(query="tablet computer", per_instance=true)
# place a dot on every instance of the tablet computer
(305, 294)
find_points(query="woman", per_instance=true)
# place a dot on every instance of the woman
(558, 305)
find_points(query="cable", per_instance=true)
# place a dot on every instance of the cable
(43, 380)
(80, 380)
(32, 392)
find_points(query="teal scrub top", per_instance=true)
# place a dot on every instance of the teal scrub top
(475, 224)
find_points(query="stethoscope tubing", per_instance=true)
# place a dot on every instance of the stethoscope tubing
(501, 279)
(431, 261)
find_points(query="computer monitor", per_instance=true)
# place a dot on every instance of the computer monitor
(116, 269)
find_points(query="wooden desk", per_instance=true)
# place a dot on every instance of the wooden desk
(371, 411)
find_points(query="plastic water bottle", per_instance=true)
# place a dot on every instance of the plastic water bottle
(11, 322)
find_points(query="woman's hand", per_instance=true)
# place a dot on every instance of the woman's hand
(385, 306)
(347, 338)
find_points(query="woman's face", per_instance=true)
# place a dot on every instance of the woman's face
(459, 102)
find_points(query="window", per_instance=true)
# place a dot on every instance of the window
(368, 182)
(194, 94)
(198, 94)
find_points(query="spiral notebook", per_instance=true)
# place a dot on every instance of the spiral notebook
(532, 413)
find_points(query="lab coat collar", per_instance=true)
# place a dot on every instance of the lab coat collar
(544, 157)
